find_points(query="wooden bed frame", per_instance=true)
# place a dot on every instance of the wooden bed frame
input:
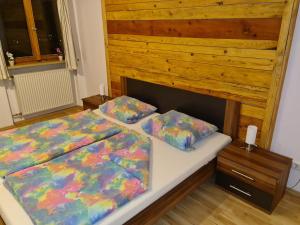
(156, 210)
(230, 117)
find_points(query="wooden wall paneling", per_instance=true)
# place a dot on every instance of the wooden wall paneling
(221, 60)
(225, 43)
(231, 121)
(252, 111)
(167, 4)
(229, 49)
(209, 87)
(258, 79)
(253, 29)
(183, 3)
(246, 10)
(209, 50)
(283, 52)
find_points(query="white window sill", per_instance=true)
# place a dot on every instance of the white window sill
(46, 63)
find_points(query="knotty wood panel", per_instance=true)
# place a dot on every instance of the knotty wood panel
(133, 5)
(233, 49)
(210, 12)
(258, 29)
(225, 43)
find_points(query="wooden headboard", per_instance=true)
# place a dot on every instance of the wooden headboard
(220, 112)
(232, 49)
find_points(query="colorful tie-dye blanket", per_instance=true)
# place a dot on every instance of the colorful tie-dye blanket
(84, 186)
(34, 144)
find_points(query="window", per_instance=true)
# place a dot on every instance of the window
(30, 30)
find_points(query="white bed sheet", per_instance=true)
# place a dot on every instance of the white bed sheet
(170, 167)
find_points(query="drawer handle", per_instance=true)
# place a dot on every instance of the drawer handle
(239, 190)
(243, 175)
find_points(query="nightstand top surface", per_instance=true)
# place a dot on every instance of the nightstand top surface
(95, 99)
(258, 158)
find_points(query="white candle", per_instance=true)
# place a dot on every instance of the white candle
(102, 89)
(251, 135)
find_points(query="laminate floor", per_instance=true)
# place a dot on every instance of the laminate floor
(209, 205)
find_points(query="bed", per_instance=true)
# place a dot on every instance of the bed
(169, 182)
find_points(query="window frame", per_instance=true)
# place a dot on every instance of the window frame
(34, 41)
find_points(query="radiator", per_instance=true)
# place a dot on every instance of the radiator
(45, 90)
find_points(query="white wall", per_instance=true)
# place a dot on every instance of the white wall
(5, 113)
(90, 47)
(286, 139)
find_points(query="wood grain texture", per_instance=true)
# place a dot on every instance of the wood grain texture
(203, 86)
(174, 3)
(253, 29)
(256, 171)
(225, 43)
(231, 121)
(245, 10)
(185, 56)
(207, 50)
(233, 49)
(34, 41)
(132, 5)
(209, 205)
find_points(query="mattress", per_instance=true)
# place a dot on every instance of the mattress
(170, 167)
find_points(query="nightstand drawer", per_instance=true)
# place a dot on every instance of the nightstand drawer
(247, 175)
(245, 191)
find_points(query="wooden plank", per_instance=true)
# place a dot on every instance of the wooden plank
(231, 121)
(211, 12)
(116, 93)
(209, 42)
(252, 111)
(117, 85)
(283, 51)
(256, 79)
(133, 5)
(244, 122)
(184, 2)
(251, 63)
(224, 51)
(253, 29)
(204, 86)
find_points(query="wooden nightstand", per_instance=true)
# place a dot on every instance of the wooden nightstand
(93, 102)
(259, 177)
